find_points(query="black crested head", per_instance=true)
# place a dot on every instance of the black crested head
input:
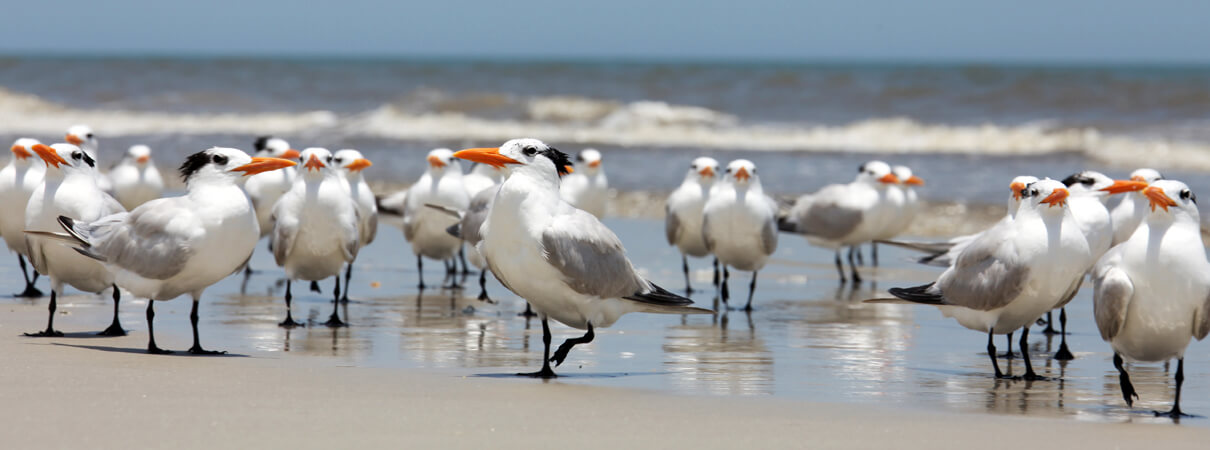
(560, 159)
(1078, 178)
(261, 142)
(194, 163)
(88, 160)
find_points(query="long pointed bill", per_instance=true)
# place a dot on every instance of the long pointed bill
(1057, 198)
(434, 161)
(48, 154)
(1124, 186)
(707, 172)
(359, 164)
(914, 181)
(1158, 198)
(291, 154)
(742, 174)
(73, 139)
(261, 164)
(313, 163)
(1016, 187)
(20, 152)
(889, 178)
(486, 155)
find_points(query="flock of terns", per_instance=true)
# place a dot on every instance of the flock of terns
(531, 216)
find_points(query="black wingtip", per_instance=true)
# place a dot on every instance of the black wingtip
(917, 294)
(785, 225)
(455, 230)
(69, 225)
(660, 296)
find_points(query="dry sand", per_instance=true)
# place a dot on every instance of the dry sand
(78, 392)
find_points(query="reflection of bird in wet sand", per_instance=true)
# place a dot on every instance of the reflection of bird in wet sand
(179, 245)
(1152, 292)
(563, 260)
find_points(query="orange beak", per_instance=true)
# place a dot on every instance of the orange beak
(595, 164)
(20, 152)
(742, 174)
(1158, 198)
(488, 155)
(914, 181)
(48, 154)
(1016, 187)
(291, 154)
(143, 159)
(1057, 198)
(889, 178)
(313, 163)
(1124, 186)
(707, 172)
(434, 161)
(74, 140)
(569, 168)
(261, 164)
(359, 164)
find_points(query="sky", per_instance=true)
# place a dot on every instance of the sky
(1057, 31)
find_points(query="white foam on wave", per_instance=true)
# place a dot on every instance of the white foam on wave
(635, 124)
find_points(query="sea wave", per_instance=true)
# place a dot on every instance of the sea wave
(590, 121)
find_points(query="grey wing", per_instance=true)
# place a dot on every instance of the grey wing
(1071, 292)
(154, 243)
(1111, 295)
(371, 227)
(985, 276)
(110, 205)
(672, 225)
(282, 239)
(827, 219)
(768, 236)
(1201, 323)
(590, 257)
(476, 214)
(353, 238)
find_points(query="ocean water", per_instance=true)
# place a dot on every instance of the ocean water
(966, 129)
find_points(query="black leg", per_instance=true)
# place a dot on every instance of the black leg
(483, 287)
(546, 371)
(1064, 353)
(1029, 368)
(334, 319)
(420, 271)
(991, 351)
(315, 287)
(685, 268)
(115, 327)
(856, 278)
(874, 253)
(1175, 413)
(1050, 328)
(726, 277)
(50, 330)
(197, 345)
(840, 268)
(857, 249)
(561, 353)
(289, 322)
(1009, 353)
(151, 347)
(344, 297)
(751, 289)
(462, 257)
(30, 291)
(716, 273)
(529, 312)
(1128, 392)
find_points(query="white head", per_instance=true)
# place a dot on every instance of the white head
(82, 136)
(1088, 182)
(1046, 196)
(702, 170)
(1146, 175)
(741, 173)
(589, 160)
(530, 157)
(350, 162)
(139, 154)
(226, 165)
(876, 173)
(23, 151)
(63, 160)
(1016, 187)
(442, 160)
(904, 175)
(1171, 200)
(317, 163)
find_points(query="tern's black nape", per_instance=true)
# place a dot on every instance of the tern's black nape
(1080, 178)
(560, 159)
(194, 163)
(261, 143)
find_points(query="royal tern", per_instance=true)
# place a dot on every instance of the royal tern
(18, 180)
(1014, 272)
(905, 204)
(739, 223)
(1151, 294)
(468, 229)
(135, 179)
(587, 187)
(350, 163)
(481, 176)
(315, 231)
(70, 189)
(174, 246)
(265, 188)
(561, 259)
(844, 215)
(83, 137)
(424, 227)
(683, 214)
(1131, 211)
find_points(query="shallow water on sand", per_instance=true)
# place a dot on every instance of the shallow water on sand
(807, 339)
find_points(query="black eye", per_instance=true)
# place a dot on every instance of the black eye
(89, 136)
(1188, 195)
(337, 160)
(219, 159)
(76, 155)
(728, 170)
(529, 151)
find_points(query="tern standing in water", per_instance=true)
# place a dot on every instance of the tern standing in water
(739, 224)
(683, 214)
(18, 180)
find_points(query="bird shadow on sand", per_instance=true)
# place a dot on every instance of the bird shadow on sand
(143, 351)
(572, 376)
(76, 335)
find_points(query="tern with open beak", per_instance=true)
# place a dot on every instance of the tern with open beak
(1151, 294)
(18, 180)
(561, 259)
(683, 214)
(739, 224)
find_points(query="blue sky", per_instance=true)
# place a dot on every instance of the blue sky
(1063, 31)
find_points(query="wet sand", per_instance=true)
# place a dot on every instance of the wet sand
(812, 366)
